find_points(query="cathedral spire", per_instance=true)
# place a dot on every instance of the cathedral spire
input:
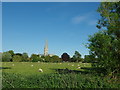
(46, 48)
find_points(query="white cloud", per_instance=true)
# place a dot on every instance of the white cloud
(78, 19)
(86, 18)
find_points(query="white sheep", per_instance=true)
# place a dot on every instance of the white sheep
(78, 67)
(31, 65)
(40, 70)
(73, 65)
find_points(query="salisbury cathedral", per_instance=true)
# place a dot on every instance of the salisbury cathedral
(46, 50)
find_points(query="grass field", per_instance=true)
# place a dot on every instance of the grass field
(54, 75)
(26, 68)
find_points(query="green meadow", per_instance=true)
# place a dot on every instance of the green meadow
(28, 68)
(54, 75)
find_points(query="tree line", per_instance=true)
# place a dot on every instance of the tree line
(10, 56)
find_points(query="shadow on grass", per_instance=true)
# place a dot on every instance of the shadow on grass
(85, 70)
(5, 67)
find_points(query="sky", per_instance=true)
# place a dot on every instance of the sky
(66, 25)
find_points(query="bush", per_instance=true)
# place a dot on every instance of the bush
(6, 57)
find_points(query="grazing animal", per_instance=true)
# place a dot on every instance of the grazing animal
(40, 70)
(32, 65)
(78, 67)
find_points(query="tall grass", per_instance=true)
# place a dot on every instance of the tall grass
(71, 80)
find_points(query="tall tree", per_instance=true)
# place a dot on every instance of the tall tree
(105, 45)
(6, 57)
(76, 57)
(24, 57)
(65, 57)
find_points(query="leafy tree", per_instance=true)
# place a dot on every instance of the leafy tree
(35, 58)
(47, 58)
(17, 58)
(25, 57)
(11, 52)
(18, 54)
(6, 57)
(76, 57)
(105, 45)
(55, 58)
(89, 59)
(65, 57)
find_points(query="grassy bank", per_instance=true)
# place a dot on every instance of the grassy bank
(71, 80)
(54, 75)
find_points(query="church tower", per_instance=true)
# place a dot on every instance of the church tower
(46, 48)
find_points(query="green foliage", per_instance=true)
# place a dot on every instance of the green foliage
(17, 58)
(89, 59)
(55, 59)
(25, 57)
(65, 57)
(23, 75)
(0, 57)
(105, 45)
(57, 81)
(35, 58)
(110, 17)
(6, 57)
(76, 57)
(47, 58)
(11, 52)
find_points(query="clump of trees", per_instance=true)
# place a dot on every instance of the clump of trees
(105, 45)
(6, 57)
(10, 56)
(75, 58)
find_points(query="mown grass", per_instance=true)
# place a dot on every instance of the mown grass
(55, 75)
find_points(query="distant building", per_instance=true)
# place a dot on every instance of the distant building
(46, 50)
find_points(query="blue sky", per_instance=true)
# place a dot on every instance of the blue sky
(66, 26)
